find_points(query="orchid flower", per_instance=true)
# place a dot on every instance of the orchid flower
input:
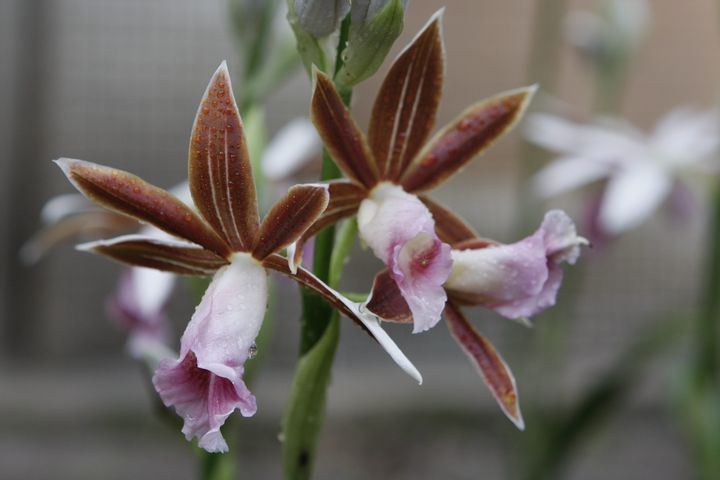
(516, 280)
(640, 170)
(396, 162)
(225, 239)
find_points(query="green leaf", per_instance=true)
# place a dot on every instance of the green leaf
(306, 406)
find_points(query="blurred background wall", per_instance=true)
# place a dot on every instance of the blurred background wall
(117, 82)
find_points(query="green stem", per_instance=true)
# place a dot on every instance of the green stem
(319, 334)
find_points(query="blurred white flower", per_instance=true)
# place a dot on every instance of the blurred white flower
(641, 170)
(293, 146)
(615, 30)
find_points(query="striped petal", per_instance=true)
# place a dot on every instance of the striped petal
(405, 107)
(467, 136)
(290, 218)
(125, 193)
(340, 134)
(488, 362)
(166, 255)
(219, 169)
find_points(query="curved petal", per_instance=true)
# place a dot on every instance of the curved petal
(290, 217)
(400, 231)
(354, 311)
(205, 383)
(633, 195)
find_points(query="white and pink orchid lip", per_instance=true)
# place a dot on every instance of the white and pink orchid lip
(521, 279)
(205, 383)
(400, 230)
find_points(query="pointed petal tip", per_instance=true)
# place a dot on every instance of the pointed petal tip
(517, 420)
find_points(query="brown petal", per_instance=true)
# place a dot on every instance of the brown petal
(467, 136)
(386, 301)
(345, 197)
(338, 131)
(175, 257)
(487, 360)
(125, 193)
(308, 280)
(404, 112)
(219, 169)
(290, 217)
(449, 227)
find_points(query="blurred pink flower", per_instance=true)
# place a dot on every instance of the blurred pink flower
(640, 170)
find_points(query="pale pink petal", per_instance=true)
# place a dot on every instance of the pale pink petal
(138, 307)
(400, 230)
(205, 384)
(520, 279)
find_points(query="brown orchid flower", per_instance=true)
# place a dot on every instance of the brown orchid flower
(225, 239)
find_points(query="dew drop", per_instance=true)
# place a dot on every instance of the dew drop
(252, 351)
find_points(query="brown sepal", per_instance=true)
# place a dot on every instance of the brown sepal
(158, 254)
(345, 198)
(128, 194)
(404, 111)
(488, 362)
(338, 131)
(386, 301)
(449, 227)
(219, 170)
(464, 138)
(307, 279)
(290, 218)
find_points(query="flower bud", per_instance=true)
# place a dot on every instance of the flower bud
(375, 25)
(321, 17)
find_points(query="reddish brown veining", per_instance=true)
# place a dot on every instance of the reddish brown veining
(160, 256)
(486, 359)
(386, 301)
(125, 193)
(470, 134)
(340, 134)
(220, 175)
(289, 218)
(404, 111)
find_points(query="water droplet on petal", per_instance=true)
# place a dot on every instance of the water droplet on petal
(252, 351)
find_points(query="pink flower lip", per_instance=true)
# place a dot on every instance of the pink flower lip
(400, 230)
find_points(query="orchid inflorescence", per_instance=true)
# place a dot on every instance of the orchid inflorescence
(436, 263)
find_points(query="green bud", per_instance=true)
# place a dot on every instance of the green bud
(321, 17)
(375, 26)
(312, 49)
